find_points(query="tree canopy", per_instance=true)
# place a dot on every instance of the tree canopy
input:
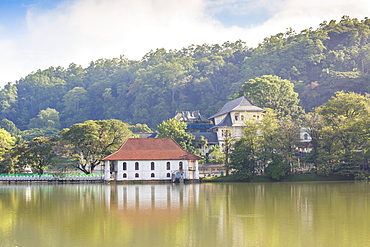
(89, 142)
(334, 57)
(273, 92)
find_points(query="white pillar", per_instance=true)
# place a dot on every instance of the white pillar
(107, 170)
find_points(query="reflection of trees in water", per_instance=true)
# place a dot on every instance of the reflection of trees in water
(238, 214)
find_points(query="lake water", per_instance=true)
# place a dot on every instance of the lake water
(240, 214)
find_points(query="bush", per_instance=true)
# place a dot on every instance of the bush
(277, 169)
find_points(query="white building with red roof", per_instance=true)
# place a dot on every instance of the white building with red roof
(151, 159)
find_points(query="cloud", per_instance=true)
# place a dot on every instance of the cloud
(81, 31)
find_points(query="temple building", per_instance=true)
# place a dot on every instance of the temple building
(151, 159)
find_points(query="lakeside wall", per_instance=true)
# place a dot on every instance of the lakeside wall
(95, 177)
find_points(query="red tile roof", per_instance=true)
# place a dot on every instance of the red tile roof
(151, 149)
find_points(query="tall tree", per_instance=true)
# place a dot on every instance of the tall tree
(275, 93)
(38, 154)
(91, 141)
(342, 139)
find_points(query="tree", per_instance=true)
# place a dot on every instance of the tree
(278, 168)
(341, 140)
(270, 142)
(175, 129)
(46, 118)
(37, 153)
(6, 142)
(91, 141)
(9, 126)
(243, 159)
(140, 128)
(216, 156)
(227, 149)
(273, 92)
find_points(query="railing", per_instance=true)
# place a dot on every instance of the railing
(52, 177)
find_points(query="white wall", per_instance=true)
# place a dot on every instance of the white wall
(160, 170)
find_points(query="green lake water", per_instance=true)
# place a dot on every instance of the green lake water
(310, 214)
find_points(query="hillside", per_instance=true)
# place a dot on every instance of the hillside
(333, 57)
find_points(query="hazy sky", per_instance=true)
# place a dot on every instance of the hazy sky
(37, 34)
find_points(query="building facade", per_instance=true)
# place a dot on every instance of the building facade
(151, 159)
(231, 118)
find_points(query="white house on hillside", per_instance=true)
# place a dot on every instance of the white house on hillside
(232, 118)
(151, 159)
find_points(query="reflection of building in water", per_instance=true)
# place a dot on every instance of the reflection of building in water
(148, 202)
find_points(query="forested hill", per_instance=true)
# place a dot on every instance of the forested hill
(333, 57)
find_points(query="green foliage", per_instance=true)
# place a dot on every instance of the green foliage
(48, 118)
(216, 156)
(273, 92)
(89, 142)
(6, 142)
(278, 168)
(140, 128)
(334, 57)
(175, 129)
(9, 126)
(36, 132)
(267, 142)
(340, 133)
(37, 153)
(243, 159)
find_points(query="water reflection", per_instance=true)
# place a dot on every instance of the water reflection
(143, 203)
(271, 214)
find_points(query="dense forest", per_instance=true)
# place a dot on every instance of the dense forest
(334, 57)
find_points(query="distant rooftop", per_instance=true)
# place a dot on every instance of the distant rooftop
(239, 104)
(191, 117)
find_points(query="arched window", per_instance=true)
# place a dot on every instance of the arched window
(168, 166)
(124, 166)
(136, 165)
(124, 175)
(152, 166)
(152, 175)
(305, 136)
(180, 165)
(136, 175)
(168, 175)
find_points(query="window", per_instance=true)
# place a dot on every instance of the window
(124, 175)
(168, 166)
(152, 166)
(136, 175)
(305, 136)
(124, 166)
(152, 175)
(136, 165)
(168, 175)
(180, 165)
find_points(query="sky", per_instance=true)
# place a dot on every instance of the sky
(38, 34)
